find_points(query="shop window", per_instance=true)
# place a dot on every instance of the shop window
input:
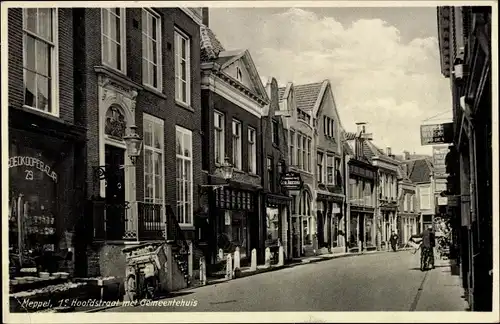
(40, 65)
(272, 224)
(37, 199)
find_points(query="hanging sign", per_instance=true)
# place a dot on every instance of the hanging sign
(291, 181)
(27, 161)
(436, 134)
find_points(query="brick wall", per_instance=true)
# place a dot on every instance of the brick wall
(211, 102)
(65, 46)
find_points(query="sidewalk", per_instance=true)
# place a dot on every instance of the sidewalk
(441, 291)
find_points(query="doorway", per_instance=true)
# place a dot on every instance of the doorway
(115, 192)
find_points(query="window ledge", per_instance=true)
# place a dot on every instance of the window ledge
(154, 91)
(41, 113)
(184, 105)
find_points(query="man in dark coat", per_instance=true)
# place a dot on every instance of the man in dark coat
(428, 243)
(394, 241)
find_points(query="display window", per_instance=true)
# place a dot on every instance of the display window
(33, 202)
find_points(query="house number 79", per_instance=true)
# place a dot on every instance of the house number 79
(29, 174)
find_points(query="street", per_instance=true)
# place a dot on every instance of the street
(373, 282)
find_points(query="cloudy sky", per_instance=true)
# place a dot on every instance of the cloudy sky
(383, 63)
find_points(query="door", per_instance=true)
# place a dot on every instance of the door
(115, 192)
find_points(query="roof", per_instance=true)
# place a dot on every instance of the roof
(210, 45)
(306, 95)
(420, 170)
(349, 136)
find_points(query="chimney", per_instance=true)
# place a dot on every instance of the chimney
(406, 155)
(389, 152)
(205, 16)
(361, 128)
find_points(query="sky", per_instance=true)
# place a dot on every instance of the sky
(383, 63)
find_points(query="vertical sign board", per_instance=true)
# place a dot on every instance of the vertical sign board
(436, 134)
(439, 157)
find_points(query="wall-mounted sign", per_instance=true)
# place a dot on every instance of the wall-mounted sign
(27, 161)
(439, 160)
(442, 201)
(291, 181)
(436, 134)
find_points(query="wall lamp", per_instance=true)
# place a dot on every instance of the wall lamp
(227, 174)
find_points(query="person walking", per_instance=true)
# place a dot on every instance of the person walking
(394, 241)
(427, 246)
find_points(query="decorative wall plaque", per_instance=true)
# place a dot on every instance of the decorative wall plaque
(115, 123)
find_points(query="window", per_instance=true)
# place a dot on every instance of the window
(182, 68)
(352, 190)
(40, 67)
(309, 162)
(319, 171)
(291, 151)
(299, 151)
(252, 155)
(305, 165)
(405, 202)
(274, 130)
(151, 49)
(184, 159)
(239, 75)
(412, 197)
(237, 144)
(154, 161)
(113, 38)
(219, 137)
(425, 198)
(270, 173)
(329, 169)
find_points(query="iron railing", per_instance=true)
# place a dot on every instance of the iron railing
(151, 224)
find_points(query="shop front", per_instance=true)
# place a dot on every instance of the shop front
(362, 228)
(277, 214)
(389, 223)
(236, 222)
(43, 197)
(331, 222)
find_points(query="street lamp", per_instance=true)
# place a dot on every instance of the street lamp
(134, 144)
(227, 173)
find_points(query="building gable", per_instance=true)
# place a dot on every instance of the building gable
(240, 66)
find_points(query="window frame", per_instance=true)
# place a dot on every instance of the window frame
(53, 61)
(428, 199)
(221, 144)
(236, 164)
(292, 146)
(270, 172)
(145, 36)
(319, 166)
(252, 150)
(123, 36)
(177, 35)
(275, 132)
(185, 131)
(155, 120)
(328, 167)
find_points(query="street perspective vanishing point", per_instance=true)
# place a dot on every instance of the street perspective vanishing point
(248, 159)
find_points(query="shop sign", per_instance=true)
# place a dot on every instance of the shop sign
(336, 210)
(291, 181)
(27, 161)
(436, 134)
(439, 157)
(442, 201)
(453, 201)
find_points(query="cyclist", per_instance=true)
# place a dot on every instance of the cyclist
(427, 246)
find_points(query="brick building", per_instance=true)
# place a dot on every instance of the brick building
(233, 99)
(155, 87)
(46, 136)
(276, 200)
(108, 70)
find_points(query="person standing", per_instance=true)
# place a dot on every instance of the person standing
(394, 241)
